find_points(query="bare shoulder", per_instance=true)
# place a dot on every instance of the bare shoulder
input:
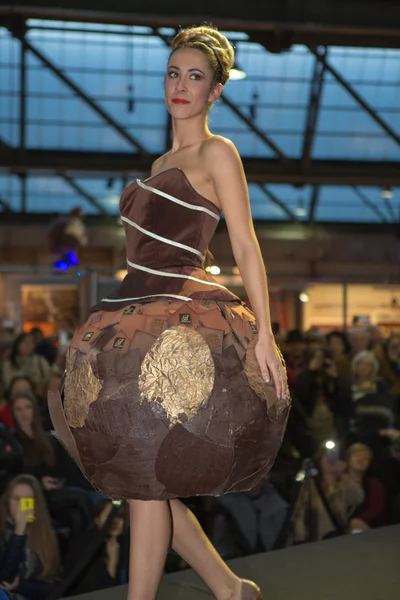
(156, 166)
(218, 147)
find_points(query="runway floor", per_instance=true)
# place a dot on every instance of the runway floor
(355, 567)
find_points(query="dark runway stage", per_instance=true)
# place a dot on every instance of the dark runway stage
(355, 567)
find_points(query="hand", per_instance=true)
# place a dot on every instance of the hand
(8, 587)
(112, 547)
(51, 483)
(22, 518)
(331, 368)
(358, 524)
(392, 434)
(271, 363)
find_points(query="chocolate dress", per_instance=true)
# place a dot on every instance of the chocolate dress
(163, 396)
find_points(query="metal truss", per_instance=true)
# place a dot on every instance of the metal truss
(280, 169)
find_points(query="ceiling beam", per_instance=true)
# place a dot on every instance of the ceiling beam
(313, 22)
(78, 90)
(357, 96)
(275, 200)
(102, 164)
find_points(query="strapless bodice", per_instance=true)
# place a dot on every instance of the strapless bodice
(168, 226)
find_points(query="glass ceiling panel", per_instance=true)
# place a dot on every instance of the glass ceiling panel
(122, 70)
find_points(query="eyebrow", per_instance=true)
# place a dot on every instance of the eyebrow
(190, 70)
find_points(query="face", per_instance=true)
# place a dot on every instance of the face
(359, 461)
(359, 341)
(364, 369)
(189, 84)
(336, 345)
(23, 411)
(394, 348)
(26, 346)
(22, 490)
(117, 526)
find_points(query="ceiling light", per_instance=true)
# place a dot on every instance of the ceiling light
(387, 193)
(300, 210)
(304, 297)
(236, 74)
(214, 270)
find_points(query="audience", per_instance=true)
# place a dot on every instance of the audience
(327, 502)
(29, 558)
(24, 361)
(345, 389)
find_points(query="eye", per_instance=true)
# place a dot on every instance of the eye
(173, 74)
(195, 76)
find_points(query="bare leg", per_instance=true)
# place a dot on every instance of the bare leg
(150, 536)
(191, 543)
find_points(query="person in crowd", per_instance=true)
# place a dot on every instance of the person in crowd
(340, 351)
(108, 566)
(20, 383)
(5, 408)
(324, 396)
(29, 557)
(11, 457)
(373, 405)
(326, 501)
(24, 361)
(44, 346)
(248, 522)
(373, 512)
(359, 338)
(389, 364)
(66, 490)
(294, 353)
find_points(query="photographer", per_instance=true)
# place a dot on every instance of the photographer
(324, 396)
(327, 500)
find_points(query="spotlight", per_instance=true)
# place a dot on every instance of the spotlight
(61, 265)
(214, 270)
(72, 258)
(304, 297)
(330, 445)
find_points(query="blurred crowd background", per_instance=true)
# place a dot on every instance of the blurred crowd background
(338, 471)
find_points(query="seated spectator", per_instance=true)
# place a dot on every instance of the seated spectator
(340, 351)
(324, 396)
(5, 408)
(29, 560)
(373, 405)
(373, 512)
(45, 458)
(24, 361)
(389, 367)
(326, 501)
(108, 566)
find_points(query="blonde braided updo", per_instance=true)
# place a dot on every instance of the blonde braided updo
(213, 44)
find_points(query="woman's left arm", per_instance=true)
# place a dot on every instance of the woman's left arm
(226, 170)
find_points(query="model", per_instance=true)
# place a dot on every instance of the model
(173, 387)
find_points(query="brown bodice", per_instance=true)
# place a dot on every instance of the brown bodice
(168, 226)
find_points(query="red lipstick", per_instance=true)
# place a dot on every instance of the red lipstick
(180, 101)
